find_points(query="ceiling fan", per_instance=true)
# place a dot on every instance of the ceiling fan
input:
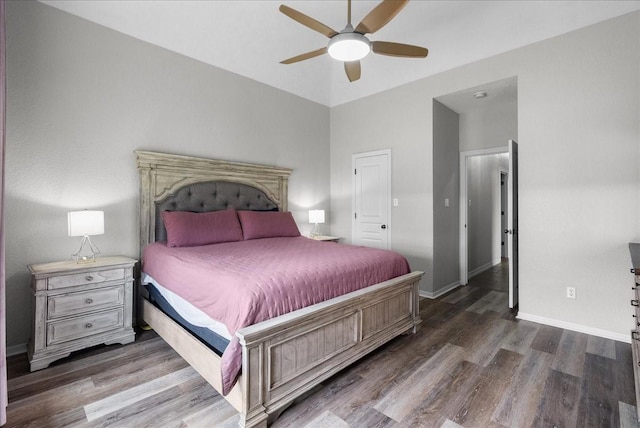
(350, 45)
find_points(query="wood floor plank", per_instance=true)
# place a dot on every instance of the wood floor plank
(457, 295)
(327, 419)
(138, 393)
(327, 397)
(560, 401)
(547, 339)
(628, 415)
(487, 341)
(406, 397)
(601, 346)
(92, 363)
(483, 398)
(443, 399)
(624, 380)
(190, 396)
(493, 301)
(219, 411)
(43, 405)
(569, 357)
(598, 403)
(519, 403)
(520, 338)
(450, 424)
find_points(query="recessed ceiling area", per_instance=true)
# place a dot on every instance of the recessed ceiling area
(250, 38)
(499, 93)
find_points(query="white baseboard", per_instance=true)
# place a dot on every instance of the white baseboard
(620, 337)
(440, 292)
(16, 349)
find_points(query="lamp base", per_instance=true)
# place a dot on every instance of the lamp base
(88, 251)
(315, 232)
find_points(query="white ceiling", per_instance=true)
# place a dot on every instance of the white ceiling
(251, 37)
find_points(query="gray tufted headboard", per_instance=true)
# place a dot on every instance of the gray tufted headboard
(185, 183)
(212, 196)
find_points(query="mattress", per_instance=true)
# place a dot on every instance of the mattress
(246, 282)
(211, 332)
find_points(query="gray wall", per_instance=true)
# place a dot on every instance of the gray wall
(82, 98)
(446, 185)
(491, 126)
(578, 130)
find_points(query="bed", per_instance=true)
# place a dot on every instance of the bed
(283, 357)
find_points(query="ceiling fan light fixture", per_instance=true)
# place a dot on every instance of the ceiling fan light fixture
(349, 46)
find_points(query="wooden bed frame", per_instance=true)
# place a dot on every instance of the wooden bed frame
(284, 357)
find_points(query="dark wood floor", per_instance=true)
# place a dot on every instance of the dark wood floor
(471, 364)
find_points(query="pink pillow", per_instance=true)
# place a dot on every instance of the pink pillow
(187, 229)
(267, 224)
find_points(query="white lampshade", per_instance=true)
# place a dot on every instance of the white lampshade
(349, 46)
(316, 216)
(85, 222)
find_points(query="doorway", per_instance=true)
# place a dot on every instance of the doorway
(488, 215)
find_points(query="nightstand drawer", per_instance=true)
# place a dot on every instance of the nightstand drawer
(85, 301)
(76, 328)
(95, 277)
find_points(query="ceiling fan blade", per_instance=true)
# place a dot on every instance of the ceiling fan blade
(307, 21)
(353, 70)
(304, 56)
(399, 49)
(380, 16)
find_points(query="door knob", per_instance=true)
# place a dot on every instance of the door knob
(384, 226)
(507, 231)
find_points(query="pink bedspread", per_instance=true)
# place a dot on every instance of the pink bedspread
(243, 283)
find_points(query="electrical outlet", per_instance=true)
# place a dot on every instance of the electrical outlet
(571, 292)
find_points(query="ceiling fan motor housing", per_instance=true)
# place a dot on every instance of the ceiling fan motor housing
(349, 46)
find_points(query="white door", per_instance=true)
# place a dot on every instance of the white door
(504, 225)
(371, 199)
(512, 219)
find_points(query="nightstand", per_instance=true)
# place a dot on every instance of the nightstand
(327, 238)
(80, 305)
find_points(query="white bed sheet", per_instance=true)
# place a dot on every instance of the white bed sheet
(187, 311)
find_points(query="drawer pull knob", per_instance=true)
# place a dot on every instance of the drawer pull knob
(89, 301)
(89, 278)
(635, 303)
(88, 325)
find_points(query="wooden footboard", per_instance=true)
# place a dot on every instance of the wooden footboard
(285, 357)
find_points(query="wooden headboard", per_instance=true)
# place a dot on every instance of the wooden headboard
(164, 175)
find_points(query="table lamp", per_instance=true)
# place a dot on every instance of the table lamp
(316, 217)
(86, 223)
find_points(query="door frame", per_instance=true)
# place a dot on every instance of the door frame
(354, 157)
(464, 207)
